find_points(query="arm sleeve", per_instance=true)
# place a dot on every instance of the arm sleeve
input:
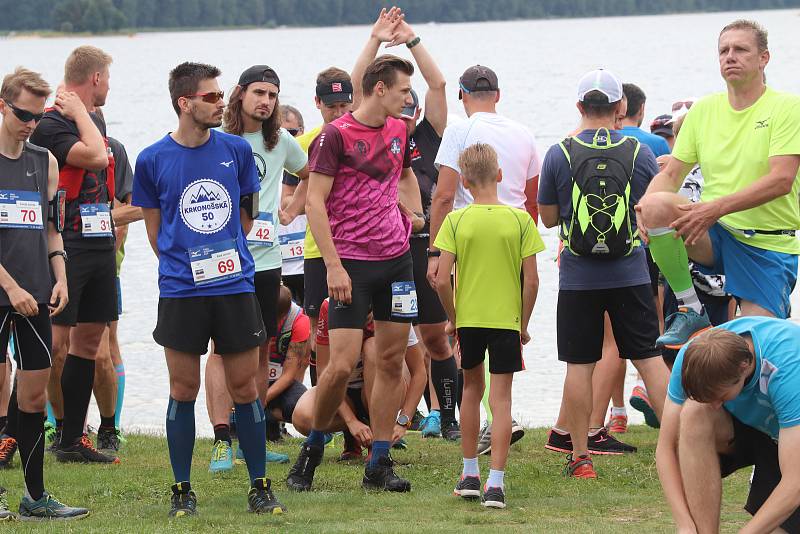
(326, 152)
(785, 138)
(301, 329)
(322, 324)
(248, 174)
(449, 149)
(145, 193)
(296, 157)
(548, 194)
(446, 239)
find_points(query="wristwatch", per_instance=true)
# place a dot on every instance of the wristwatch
(57, 253)
(403, 420)
(434, 253)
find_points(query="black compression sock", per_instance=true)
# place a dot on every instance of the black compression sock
(427, 396)
(3, 421)
(13, 412)
(77, 380)
(108, 422)
(30, 433)
(444, 375)
(460, 390)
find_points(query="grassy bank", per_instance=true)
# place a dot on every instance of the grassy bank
(134, 496)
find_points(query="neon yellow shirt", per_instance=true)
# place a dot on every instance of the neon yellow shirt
(489, 242)
(733, 149)
(310, 248)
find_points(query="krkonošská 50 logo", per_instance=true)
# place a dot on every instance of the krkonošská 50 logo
(205, 206)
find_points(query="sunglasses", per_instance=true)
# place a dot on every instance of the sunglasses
(293, 131)
(23, 114)
(212, 97)
(683, 104)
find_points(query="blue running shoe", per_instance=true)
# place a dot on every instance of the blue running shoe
(48, 507)
(221, 457)
(431, 426)
(683, 326)
(272, 457)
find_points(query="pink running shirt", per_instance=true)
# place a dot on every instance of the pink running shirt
(366, 164)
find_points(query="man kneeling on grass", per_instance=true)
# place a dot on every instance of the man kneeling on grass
(734, 401)
(490, 244)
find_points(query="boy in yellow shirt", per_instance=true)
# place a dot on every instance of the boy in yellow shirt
(490, 244)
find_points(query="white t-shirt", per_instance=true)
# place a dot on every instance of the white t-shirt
(516, 152)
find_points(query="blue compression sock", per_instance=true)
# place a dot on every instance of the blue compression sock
(120, 369)
(180, 437)
(251, 429)
(315, 437)
(380, 449)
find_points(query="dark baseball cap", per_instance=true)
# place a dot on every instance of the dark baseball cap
(335, 91)
(410, 112)
(662, 125)
(259, 73)
(478, 78)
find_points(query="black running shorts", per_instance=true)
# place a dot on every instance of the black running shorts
(233, 322)
(358, 405)
(430, 307)
(92, 287)
(753, 447)
(295, 284)
(505, 349)
(315, 285)
(580, 323)
(33, 339)
(268, 285)
(287, 401)
(373, 284)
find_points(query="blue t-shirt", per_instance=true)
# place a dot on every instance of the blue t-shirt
(580, 272)
(771, 399)
(198, 190)
(657, 144)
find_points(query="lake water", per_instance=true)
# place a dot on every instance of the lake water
(538, 64)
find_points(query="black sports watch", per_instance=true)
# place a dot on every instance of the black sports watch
(403, 420)
(57, 253)
(434, 253)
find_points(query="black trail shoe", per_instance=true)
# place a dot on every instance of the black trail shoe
(383, 477)
(301, 475)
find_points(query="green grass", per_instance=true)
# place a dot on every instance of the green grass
(134, 496)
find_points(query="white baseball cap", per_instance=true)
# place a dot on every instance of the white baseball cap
(601, 80)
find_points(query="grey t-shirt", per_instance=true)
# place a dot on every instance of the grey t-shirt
(123, 174)
(580, 272)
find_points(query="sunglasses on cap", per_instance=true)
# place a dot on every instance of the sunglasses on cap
(682, 104)
(23, 114)
(212, 97)
(293, 131)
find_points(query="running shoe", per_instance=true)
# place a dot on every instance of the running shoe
(416, 421)
(431, 426)
(221, 457)
(301, 475)
(272, 457)
(8, 447)
(351, 455)
(683, 326)
(493, 498)
(400, 444)
(485, 439)
(451, 431)
(108, 440)
(602, 443)
(83, 451)
(49, 431)
(183, 501)
(5, 513)
(48, 507)
(55, 440)
(468, 487)
(383, 477)
(580, 467)
(640, 401)
(617, 424)
(558, 442)
(261, 500)
(517, 432)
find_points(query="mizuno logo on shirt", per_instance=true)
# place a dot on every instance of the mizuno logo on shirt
(226, 163)
(762, 124)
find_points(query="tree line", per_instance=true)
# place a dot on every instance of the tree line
(99, 16)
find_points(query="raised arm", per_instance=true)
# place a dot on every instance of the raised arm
(383, 31)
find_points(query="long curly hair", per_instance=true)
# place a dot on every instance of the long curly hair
(232, 121)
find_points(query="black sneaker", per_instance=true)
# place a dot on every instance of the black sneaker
(8, 448)
(184, 501)
(468, 487)
(301, 475)
(451, 431)
(604, 443)
(383, 477)
(84, 452)
(493, 498)
(108, 440)
(558, 442)
(261, 500)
